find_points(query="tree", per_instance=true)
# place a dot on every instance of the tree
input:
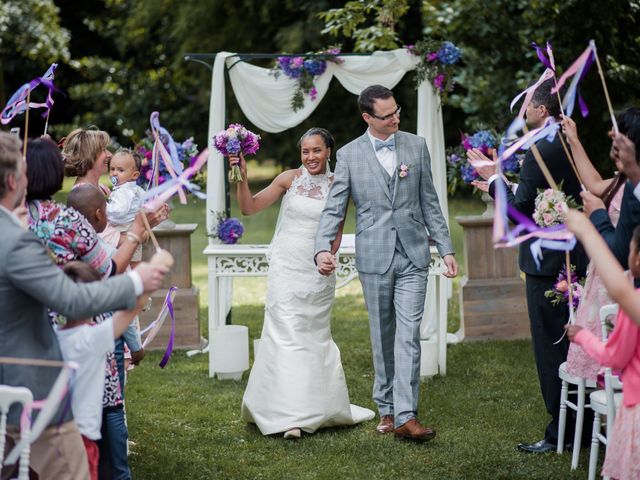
(30, 38)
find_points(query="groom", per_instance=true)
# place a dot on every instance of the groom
(387, 174)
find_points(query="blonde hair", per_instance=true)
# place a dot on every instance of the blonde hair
(81, 149)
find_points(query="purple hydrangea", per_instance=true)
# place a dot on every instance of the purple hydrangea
(230, 230)
(454, 159)
(482, 138)
(233, 145)
(315, 67)
(511, 164)
(468, 173)
(448, 53)
(290, 68)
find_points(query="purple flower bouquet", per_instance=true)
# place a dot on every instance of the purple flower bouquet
(228, 229)
(232, 142)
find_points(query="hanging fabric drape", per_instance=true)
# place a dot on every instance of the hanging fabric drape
(266, 102)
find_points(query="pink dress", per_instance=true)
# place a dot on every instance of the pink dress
(622, 351)
(579, 364)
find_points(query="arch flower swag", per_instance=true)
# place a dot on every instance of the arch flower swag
(266, 102)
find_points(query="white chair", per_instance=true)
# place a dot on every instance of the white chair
(604, 402)
(8, 396)
(581, 385)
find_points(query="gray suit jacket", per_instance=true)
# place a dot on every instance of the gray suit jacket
(411, 213)
(29, 283)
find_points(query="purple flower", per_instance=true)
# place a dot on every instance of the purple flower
(250, 143)
(448, 53)
(438, 82)
(230, 230)
(297, 62)
(313, 93)
(468, 173)
(233, 145)
(315, 67)
(288, 67)
(454, 159)
(511, 164)
(432, 56)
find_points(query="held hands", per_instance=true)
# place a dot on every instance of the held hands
(481, 185)
(485, 171)
(452, 266)
(572, 331)
(326, 263)
(590, 202)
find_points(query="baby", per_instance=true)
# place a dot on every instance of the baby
(126, 199)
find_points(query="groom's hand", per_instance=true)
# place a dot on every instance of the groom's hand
(326, 263)
(452, 266)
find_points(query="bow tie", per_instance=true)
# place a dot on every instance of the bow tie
(390, 144)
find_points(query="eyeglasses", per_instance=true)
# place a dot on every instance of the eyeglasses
(387, 117)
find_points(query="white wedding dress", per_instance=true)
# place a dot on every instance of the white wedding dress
(297, 379)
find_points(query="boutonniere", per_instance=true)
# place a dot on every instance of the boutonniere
(403, 170)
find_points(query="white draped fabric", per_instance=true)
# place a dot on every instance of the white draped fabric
(266, 102)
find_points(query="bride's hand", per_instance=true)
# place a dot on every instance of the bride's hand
(240, 161)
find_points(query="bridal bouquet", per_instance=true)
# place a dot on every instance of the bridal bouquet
(551, 207)
(560, 291)
(235, 140)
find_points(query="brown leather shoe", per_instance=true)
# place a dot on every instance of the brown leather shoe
(412, 430)
(386, 424)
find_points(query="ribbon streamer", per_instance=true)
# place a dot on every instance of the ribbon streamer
(528, 92)
(169, 157)
(17, 104)
(578, 70)
(154, 327)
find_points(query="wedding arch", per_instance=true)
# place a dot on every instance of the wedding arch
(266, 101)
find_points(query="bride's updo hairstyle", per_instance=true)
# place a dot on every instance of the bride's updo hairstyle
(326, 136)
(81, 149)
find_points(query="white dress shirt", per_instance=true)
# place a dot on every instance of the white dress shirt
(386, 157)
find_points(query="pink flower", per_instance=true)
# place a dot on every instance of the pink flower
(547, 218)
(432, 56)
(297, 62)
(438, 82)
(562, 286)
(548, 193)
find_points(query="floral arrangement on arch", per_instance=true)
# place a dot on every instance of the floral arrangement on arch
(305, 69)
(460, 173)
(437, 64)
(228, 229)
(551, 207)
(560, 291)
(187, 155)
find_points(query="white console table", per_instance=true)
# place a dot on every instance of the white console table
(227, 261)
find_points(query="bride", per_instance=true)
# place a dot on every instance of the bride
(297, 382)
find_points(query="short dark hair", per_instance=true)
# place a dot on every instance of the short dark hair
(137, 158)
(45, 169)
(369, 95)
(323, 133)
(629, 125)
(81, 272)
(543, 96)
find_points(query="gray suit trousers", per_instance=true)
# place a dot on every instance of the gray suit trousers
(395, 302)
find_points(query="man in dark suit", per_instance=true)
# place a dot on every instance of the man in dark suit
(29, 283)
(546, 320)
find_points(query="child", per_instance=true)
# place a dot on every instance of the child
(126, 199)
(87, 344)
(622, 350)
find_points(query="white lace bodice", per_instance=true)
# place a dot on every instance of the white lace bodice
(292, 271)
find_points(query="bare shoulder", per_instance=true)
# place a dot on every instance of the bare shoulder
(285, 179)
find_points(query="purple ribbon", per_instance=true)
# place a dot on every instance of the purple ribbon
(17, 104)
(172, 334)
(547, 62)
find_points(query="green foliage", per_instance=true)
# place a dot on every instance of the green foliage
(352, 21)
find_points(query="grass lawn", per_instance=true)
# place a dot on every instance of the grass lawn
(186, 425)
